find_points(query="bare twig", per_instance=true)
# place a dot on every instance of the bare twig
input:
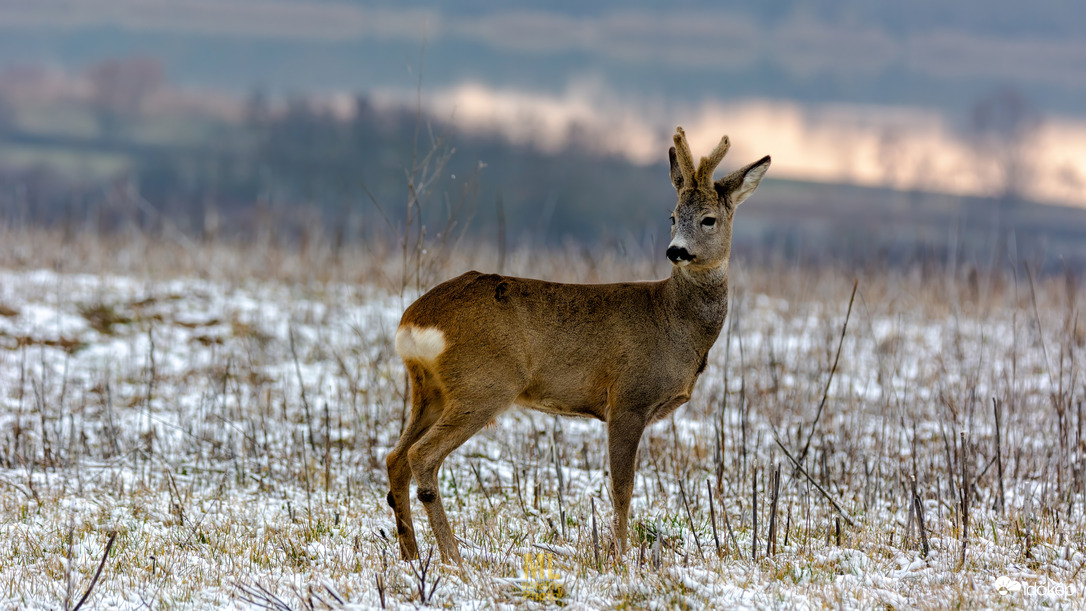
(98, 573)
(596, 537)
(301, 388)
(479, 479)
(421, 572)
(380, 588)
(771, 537)
(829, 380)
(327, 452)
(712, 517)
(919, 508)
(558, 472)
(820, 489)
(999, 455)
(25, 491)
(690, 518)
(964, 463)
(260, 596)
(728, 526)
(918, 511)
(754, 514)
(1040, 328)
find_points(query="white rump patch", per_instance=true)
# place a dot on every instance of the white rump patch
(419, 344)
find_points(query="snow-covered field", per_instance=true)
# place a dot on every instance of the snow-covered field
(232, 434)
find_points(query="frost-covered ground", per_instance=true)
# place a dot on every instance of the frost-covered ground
(232, 434)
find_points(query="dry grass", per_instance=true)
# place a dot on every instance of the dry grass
(149, 387)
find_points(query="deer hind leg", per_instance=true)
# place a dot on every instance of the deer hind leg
(426, 405)
(461, 419)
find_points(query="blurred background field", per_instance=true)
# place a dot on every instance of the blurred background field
(213, 213)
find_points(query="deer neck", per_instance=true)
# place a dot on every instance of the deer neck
(700, 300)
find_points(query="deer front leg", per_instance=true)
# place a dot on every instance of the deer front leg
(623, 435)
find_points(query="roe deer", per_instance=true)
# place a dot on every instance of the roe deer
(626, 353)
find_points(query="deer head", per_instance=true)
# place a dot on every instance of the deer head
(701, 224)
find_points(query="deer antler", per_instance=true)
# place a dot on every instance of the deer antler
(683, 156)
(704, 174)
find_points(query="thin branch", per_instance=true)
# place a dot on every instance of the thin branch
(826, 391)
(98, 573)
(800, 469)
(301, 388)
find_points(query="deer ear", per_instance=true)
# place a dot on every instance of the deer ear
(676, 172)
(736, 187)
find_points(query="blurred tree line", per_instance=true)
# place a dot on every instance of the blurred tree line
(300, 169)
(288, 162)
(361, 170)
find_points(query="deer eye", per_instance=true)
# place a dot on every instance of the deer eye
(672, 219)
(708, 221)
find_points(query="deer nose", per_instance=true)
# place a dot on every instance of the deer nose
(678, 254)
